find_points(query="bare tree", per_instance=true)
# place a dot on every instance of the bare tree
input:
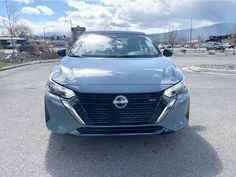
(22, 31)
(232, 38)
(171, 37)
(11, 10)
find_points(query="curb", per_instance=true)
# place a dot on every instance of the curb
(30, 63)
(199, 69)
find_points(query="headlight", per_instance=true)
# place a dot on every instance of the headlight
(176, 89)
(59, 90)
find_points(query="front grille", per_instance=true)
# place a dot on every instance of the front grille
(98, 109)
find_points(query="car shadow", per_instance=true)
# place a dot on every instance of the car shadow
(180, 154)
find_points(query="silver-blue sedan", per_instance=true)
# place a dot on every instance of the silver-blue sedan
(116, 83)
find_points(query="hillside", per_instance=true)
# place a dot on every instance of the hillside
(204, 32)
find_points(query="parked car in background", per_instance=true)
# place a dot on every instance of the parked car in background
(203, 45)
(14, 45)
(161, 46)
(179, 45)
(215, 46)
(229, 46)
(168, 47)
(187, 46)
(25, 47)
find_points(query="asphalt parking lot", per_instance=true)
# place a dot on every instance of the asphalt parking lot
(206, 148)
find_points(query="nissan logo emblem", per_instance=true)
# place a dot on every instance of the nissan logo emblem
(120, 101)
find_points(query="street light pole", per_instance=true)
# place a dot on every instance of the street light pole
(71, 30)
(191, 29)
(70, 21)
(44, 32)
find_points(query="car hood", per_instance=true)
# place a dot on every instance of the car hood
(158, 73)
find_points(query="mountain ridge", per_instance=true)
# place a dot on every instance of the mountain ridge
(203, 32)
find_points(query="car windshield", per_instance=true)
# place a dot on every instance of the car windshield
(114, 45)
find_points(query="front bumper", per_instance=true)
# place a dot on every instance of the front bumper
(59, 120)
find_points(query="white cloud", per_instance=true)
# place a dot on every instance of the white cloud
(50, 26)
(92, 16)
(68, 12)
(45, 10)
(29, 10)
(150, 16)
(3, 20)
(37, 28)
(138, 15)
(24, 1)
(159, 15)
(37, 10)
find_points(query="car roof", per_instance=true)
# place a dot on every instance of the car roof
(115, 32)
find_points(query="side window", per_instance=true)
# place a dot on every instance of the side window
(151, 47)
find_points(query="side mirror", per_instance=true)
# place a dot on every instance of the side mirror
(61, 52)
(167, 52)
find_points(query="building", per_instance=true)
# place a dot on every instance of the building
(5, 41)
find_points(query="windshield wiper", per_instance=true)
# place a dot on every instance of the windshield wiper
(113, 56)
(131, 56)
(72, 55)
(120, 56)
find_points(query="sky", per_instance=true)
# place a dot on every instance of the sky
(149, 16)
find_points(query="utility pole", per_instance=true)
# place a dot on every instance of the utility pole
(191, 30)
(44, 32)
(71, 33)
(71, 30)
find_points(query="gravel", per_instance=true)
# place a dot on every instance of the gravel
(229, 66)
